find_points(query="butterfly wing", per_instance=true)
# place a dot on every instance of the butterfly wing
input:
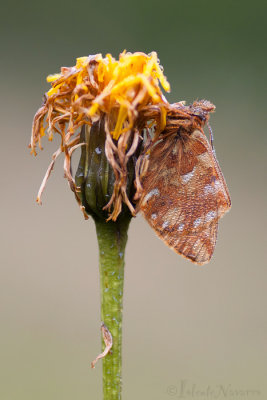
(184, 195)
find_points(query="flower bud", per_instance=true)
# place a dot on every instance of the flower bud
(95, 177)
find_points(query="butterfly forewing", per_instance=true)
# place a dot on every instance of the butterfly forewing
(184, 195)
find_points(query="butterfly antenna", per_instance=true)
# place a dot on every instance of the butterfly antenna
(211, 136)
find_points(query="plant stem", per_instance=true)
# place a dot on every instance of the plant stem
(112, 239)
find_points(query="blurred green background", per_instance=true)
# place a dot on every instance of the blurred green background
(203, 325)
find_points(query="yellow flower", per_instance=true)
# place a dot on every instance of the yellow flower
(95, 87)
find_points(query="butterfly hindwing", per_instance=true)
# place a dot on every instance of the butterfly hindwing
(184, 195)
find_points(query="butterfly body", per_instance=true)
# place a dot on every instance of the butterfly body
(185, 194)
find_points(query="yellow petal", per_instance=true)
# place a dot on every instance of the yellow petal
(81, 62)
(120, 120)
(53, 90)
(53, 77)
(93, 109)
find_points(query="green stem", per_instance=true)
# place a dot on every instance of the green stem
(112, 239)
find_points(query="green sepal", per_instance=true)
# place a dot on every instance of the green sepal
(95, 176)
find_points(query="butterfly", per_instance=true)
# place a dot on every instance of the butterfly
(185, 194)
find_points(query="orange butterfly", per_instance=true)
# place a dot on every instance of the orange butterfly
(185, 194)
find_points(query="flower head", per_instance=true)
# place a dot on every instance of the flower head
(95, 88)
